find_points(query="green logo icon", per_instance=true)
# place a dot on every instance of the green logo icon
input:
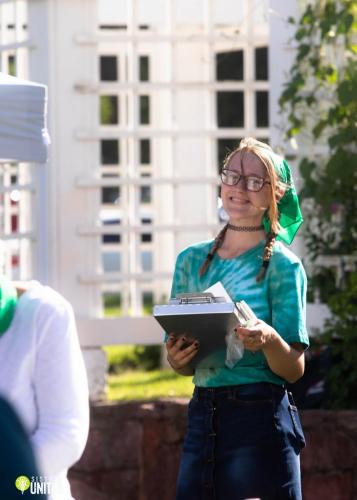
(22, 483)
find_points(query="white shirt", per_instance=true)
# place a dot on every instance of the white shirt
(43, 375)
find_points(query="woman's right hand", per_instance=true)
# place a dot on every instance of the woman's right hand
(179, 356)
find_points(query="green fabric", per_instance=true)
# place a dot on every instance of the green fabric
(8, 301)
(279, 300)
(290, 218)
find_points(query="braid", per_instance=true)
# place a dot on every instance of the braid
(268, 250)
(216, 246)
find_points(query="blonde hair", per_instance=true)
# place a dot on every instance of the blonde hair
(263, 152)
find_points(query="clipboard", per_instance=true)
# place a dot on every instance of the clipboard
(206, 318)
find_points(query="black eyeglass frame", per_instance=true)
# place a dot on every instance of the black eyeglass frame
(244, 177)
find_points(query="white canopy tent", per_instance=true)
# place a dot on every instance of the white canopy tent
(23, 131)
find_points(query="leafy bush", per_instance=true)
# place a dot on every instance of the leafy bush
(319, 101)
(130, 357)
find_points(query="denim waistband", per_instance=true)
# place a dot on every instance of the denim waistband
(259, 389)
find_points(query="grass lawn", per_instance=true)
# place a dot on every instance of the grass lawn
(136, 385)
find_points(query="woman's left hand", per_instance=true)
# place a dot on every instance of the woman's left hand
(256, 337)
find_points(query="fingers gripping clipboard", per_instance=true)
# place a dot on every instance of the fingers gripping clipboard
(207, 318)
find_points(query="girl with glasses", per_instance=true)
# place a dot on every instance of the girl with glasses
(244, 435)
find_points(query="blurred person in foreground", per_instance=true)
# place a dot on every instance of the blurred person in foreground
(16, 455)
(43, 377)
(244, 435)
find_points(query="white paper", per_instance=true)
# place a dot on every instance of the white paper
(218, 290)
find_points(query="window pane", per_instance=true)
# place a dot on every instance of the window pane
(266, 140)
(146, 261)
(12, 65)
(112, 304)
(144, 110)
(145, 194)
(262, 109)
(261, 63)
(225, 146)
(230, 65)
(109, 110)
(145, 151)
(146, 237)
(230, 109)
(144, 69)
(148, 302)
(111, 262)
(111, 238)
(108, 68)
(109, 154)
(110, 194)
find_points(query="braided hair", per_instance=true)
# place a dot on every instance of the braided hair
(260, 149)
(268, 251)
(216, 246)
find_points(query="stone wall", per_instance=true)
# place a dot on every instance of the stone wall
(133, 453)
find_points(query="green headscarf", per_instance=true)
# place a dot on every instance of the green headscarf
(290, 217)
(8, 301)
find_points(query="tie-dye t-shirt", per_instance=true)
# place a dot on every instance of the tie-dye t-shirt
(279, 300)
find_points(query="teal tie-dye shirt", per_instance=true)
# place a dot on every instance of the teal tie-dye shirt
(279, 300)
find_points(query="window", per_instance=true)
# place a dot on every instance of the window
(144, 118)
(14, 223)
(146, 237)
(109, 109)
(144, 69)
(262, 108)
(266, 140)
(148, 302)
(145, 151)
(11, 65)
(230, 65)
(111, 262)
(146, 261)
(113, 27)
(109, 152)
(108, 68)
(111, 238)
(145, 194)
(111, 303)
(225, 146)
(230, 109)
(261, 63)
(110, 195)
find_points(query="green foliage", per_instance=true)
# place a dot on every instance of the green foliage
(340, 332)
(130, 357)
(321, 106)
(156, 384)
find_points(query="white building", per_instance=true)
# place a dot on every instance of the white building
(145, 100)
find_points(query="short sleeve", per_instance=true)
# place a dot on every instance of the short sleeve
(180, 277)
(287, 294)
(179, 280)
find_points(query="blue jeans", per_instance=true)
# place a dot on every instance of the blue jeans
(241, 442)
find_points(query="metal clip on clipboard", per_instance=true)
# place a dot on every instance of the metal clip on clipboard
(196, 298)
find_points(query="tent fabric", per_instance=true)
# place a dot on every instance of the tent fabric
(23, 131)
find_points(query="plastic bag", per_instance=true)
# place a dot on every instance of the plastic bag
(235, 349)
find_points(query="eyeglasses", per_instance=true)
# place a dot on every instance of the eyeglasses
(250, 182)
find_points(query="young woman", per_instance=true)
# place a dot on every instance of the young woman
(244, 435)
(42, 375)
